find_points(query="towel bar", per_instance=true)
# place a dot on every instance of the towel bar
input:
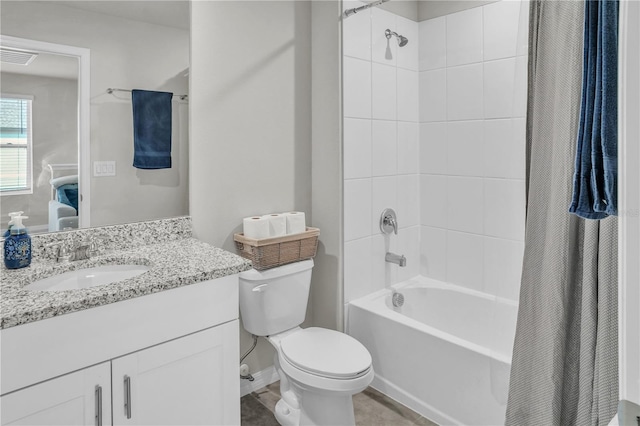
(110, 90)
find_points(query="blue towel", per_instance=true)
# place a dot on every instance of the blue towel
(595, 182)
(151, 129)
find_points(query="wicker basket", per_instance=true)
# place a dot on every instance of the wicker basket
(271, 252)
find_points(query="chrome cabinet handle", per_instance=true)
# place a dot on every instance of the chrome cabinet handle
(127, 396)
(98, 405)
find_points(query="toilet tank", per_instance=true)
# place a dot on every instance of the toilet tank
(275, 300)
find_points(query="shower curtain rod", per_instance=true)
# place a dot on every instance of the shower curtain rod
(355, 10)
(110, 90)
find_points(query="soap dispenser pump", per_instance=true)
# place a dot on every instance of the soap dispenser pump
(12, 215)
(17, 246)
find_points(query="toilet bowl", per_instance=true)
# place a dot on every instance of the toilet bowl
(322, 370)
(319, 369)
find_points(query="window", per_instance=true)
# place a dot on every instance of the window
(15, 145)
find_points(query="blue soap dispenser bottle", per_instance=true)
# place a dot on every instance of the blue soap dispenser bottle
(17, 246)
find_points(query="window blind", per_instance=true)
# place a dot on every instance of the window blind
(15, 139)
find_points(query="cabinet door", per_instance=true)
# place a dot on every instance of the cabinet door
(192, 380)
(80, 398)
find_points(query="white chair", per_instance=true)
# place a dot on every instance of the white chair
(61, 215)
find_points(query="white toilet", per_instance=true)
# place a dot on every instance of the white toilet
(319, 369)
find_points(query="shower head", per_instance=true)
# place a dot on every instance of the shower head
(402, 40)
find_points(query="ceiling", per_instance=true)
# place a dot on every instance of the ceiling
(170, 13)
(47, 64)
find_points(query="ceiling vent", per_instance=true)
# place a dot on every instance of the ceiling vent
(17, 57)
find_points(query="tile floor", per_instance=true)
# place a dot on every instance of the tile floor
(371, 407)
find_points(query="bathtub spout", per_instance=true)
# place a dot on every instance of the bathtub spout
(396, 258)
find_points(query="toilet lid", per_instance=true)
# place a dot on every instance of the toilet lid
(326, 353)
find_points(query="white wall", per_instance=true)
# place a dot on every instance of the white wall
(125, 54)
(55, 133)
(326, 196)
(456, 179)
(250, 120)
(381, 166)
(472, 147)
(629, 202)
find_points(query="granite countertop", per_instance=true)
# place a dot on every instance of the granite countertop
(172, 264)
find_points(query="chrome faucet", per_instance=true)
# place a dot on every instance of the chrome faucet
(69, 252)
(398, 259)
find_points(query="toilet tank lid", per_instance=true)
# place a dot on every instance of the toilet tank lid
(279, 271)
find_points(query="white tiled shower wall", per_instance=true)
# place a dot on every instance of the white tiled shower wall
(435, 130)
(381, 153)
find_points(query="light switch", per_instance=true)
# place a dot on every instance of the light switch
(104, 168)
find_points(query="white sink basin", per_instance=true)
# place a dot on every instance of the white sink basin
(88, 277)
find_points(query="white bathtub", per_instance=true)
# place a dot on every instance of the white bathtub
(446, 353)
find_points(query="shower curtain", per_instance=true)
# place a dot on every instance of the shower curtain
(565, 363)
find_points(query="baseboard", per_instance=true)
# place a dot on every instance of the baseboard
(260, 379)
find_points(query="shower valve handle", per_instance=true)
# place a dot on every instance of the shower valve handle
(388, 222)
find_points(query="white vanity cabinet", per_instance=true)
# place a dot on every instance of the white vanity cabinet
(181, 382)
(75, 399)
(168, 358)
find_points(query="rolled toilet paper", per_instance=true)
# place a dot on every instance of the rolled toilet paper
(295, 222)
(256, 227)
(277, 224)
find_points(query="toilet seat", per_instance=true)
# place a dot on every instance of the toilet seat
(326, 353)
